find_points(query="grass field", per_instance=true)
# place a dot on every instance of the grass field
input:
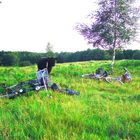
(102, 111)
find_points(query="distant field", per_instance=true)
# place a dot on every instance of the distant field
(102, 111)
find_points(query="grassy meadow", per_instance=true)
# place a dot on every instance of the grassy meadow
(102, 111)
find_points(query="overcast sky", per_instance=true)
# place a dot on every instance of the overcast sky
(28, 25)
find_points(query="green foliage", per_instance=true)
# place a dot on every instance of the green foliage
(101, 111)
(112, 25)
(49, 51)
(29, 58)
(9, 58)
(136, 55)
(25, 63)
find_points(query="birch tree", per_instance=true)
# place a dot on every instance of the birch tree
(113, 25)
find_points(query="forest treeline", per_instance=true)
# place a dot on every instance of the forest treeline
(8, 58)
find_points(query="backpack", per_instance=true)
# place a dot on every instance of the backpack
(54, 86)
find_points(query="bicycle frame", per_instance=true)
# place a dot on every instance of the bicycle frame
(24, 87)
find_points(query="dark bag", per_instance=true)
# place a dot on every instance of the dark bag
(54, 86)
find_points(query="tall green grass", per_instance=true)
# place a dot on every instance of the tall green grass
(102, 111)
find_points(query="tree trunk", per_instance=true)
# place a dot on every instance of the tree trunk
(113, 58)
(115, 38)
(114, 52)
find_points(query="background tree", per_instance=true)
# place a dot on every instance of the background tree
(113, 25)
(31, 58)
(128, 54)
(136, 55)
(119, 54)
(10, 59)
(49, 50)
